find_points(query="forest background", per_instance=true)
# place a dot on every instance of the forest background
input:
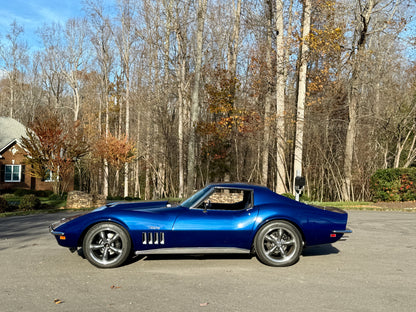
(159, 98)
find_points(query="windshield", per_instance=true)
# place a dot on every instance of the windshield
(191, 201)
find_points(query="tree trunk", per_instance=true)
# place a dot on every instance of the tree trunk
(268, 97)
(280, 101)
(181, 99)
(202, 7)
(126, 165)
(300, 115)
(354, 94)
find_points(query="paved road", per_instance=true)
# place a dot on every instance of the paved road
(374, 270)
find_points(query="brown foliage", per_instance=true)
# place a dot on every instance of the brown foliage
(52, 148)
(116, 151)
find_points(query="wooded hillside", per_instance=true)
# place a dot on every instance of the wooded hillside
(184, 92)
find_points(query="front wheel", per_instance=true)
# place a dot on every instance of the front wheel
(278, 243)
(107, 245)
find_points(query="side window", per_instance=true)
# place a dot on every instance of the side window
(227, 199)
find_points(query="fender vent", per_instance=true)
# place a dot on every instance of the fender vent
(153, 238)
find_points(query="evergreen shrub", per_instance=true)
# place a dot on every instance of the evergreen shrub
(4, 205)
(29, 202)
(394, 184)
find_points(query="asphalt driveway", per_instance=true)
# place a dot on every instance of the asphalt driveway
(374, 270)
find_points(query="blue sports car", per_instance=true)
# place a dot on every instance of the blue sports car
(220, 218)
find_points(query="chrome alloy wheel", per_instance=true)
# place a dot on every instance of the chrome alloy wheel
(106, 245)
(278, 244)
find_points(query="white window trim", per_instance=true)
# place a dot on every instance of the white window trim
(20, 174)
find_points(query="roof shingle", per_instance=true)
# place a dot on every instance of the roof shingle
(10, 129)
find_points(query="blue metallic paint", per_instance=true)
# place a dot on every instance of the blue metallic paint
(187, 226)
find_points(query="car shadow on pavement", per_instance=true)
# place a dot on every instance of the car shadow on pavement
(319, 250)
(196, 257)
(169, 257)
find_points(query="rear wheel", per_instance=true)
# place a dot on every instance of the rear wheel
(107, 245)
(278, 243)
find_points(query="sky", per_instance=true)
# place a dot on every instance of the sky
(32, 14)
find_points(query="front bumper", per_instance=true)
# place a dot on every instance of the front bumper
(57, 224)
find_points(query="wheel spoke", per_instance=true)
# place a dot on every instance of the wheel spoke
(105, 253)
(95, 247)
(280, 233)
(270, 238)
(103, 236)
(282, 252)
(272, 250)
(290, 242)
(116, 250)
(114, 238)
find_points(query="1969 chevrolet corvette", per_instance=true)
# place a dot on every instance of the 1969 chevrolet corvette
(220, 218)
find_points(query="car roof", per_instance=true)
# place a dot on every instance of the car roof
(239, 185)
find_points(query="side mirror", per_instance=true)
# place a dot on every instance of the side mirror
(207, 205)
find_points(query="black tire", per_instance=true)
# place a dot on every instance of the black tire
(278, 243)
(107, 245)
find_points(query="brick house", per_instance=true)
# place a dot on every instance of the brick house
(12, 170)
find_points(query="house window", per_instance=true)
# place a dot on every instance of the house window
(48, 176)
(12, 173)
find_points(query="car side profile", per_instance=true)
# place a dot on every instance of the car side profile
(220, 218)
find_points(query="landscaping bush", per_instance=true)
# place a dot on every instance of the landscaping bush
(115, 198)
(288, 195)
(394, 185)
(8, 196)
(29, 202)
(23, 192)
(43, 193)
(4, 205)
(304, 198)
(44, 206)
(54, 197)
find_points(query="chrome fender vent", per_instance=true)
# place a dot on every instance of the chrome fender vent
(153, 238)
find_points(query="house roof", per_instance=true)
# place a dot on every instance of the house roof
(10, 132)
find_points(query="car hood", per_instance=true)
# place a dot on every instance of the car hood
(159, 207)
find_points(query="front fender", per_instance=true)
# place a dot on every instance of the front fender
(71, 233)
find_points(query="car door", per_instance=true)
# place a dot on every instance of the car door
(224, 219)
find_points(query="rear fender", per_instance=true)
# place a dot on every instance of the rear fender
(276, 218)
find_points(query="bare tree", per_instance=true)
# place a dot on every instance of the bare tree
(126, 37)
(365, 12)
(201, 12)
(280, 100)
(301, 95)
(102, 43)
(13, 61)
(269, 91)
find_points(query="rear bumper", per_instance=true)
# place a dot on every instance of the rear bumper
(346, 231)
